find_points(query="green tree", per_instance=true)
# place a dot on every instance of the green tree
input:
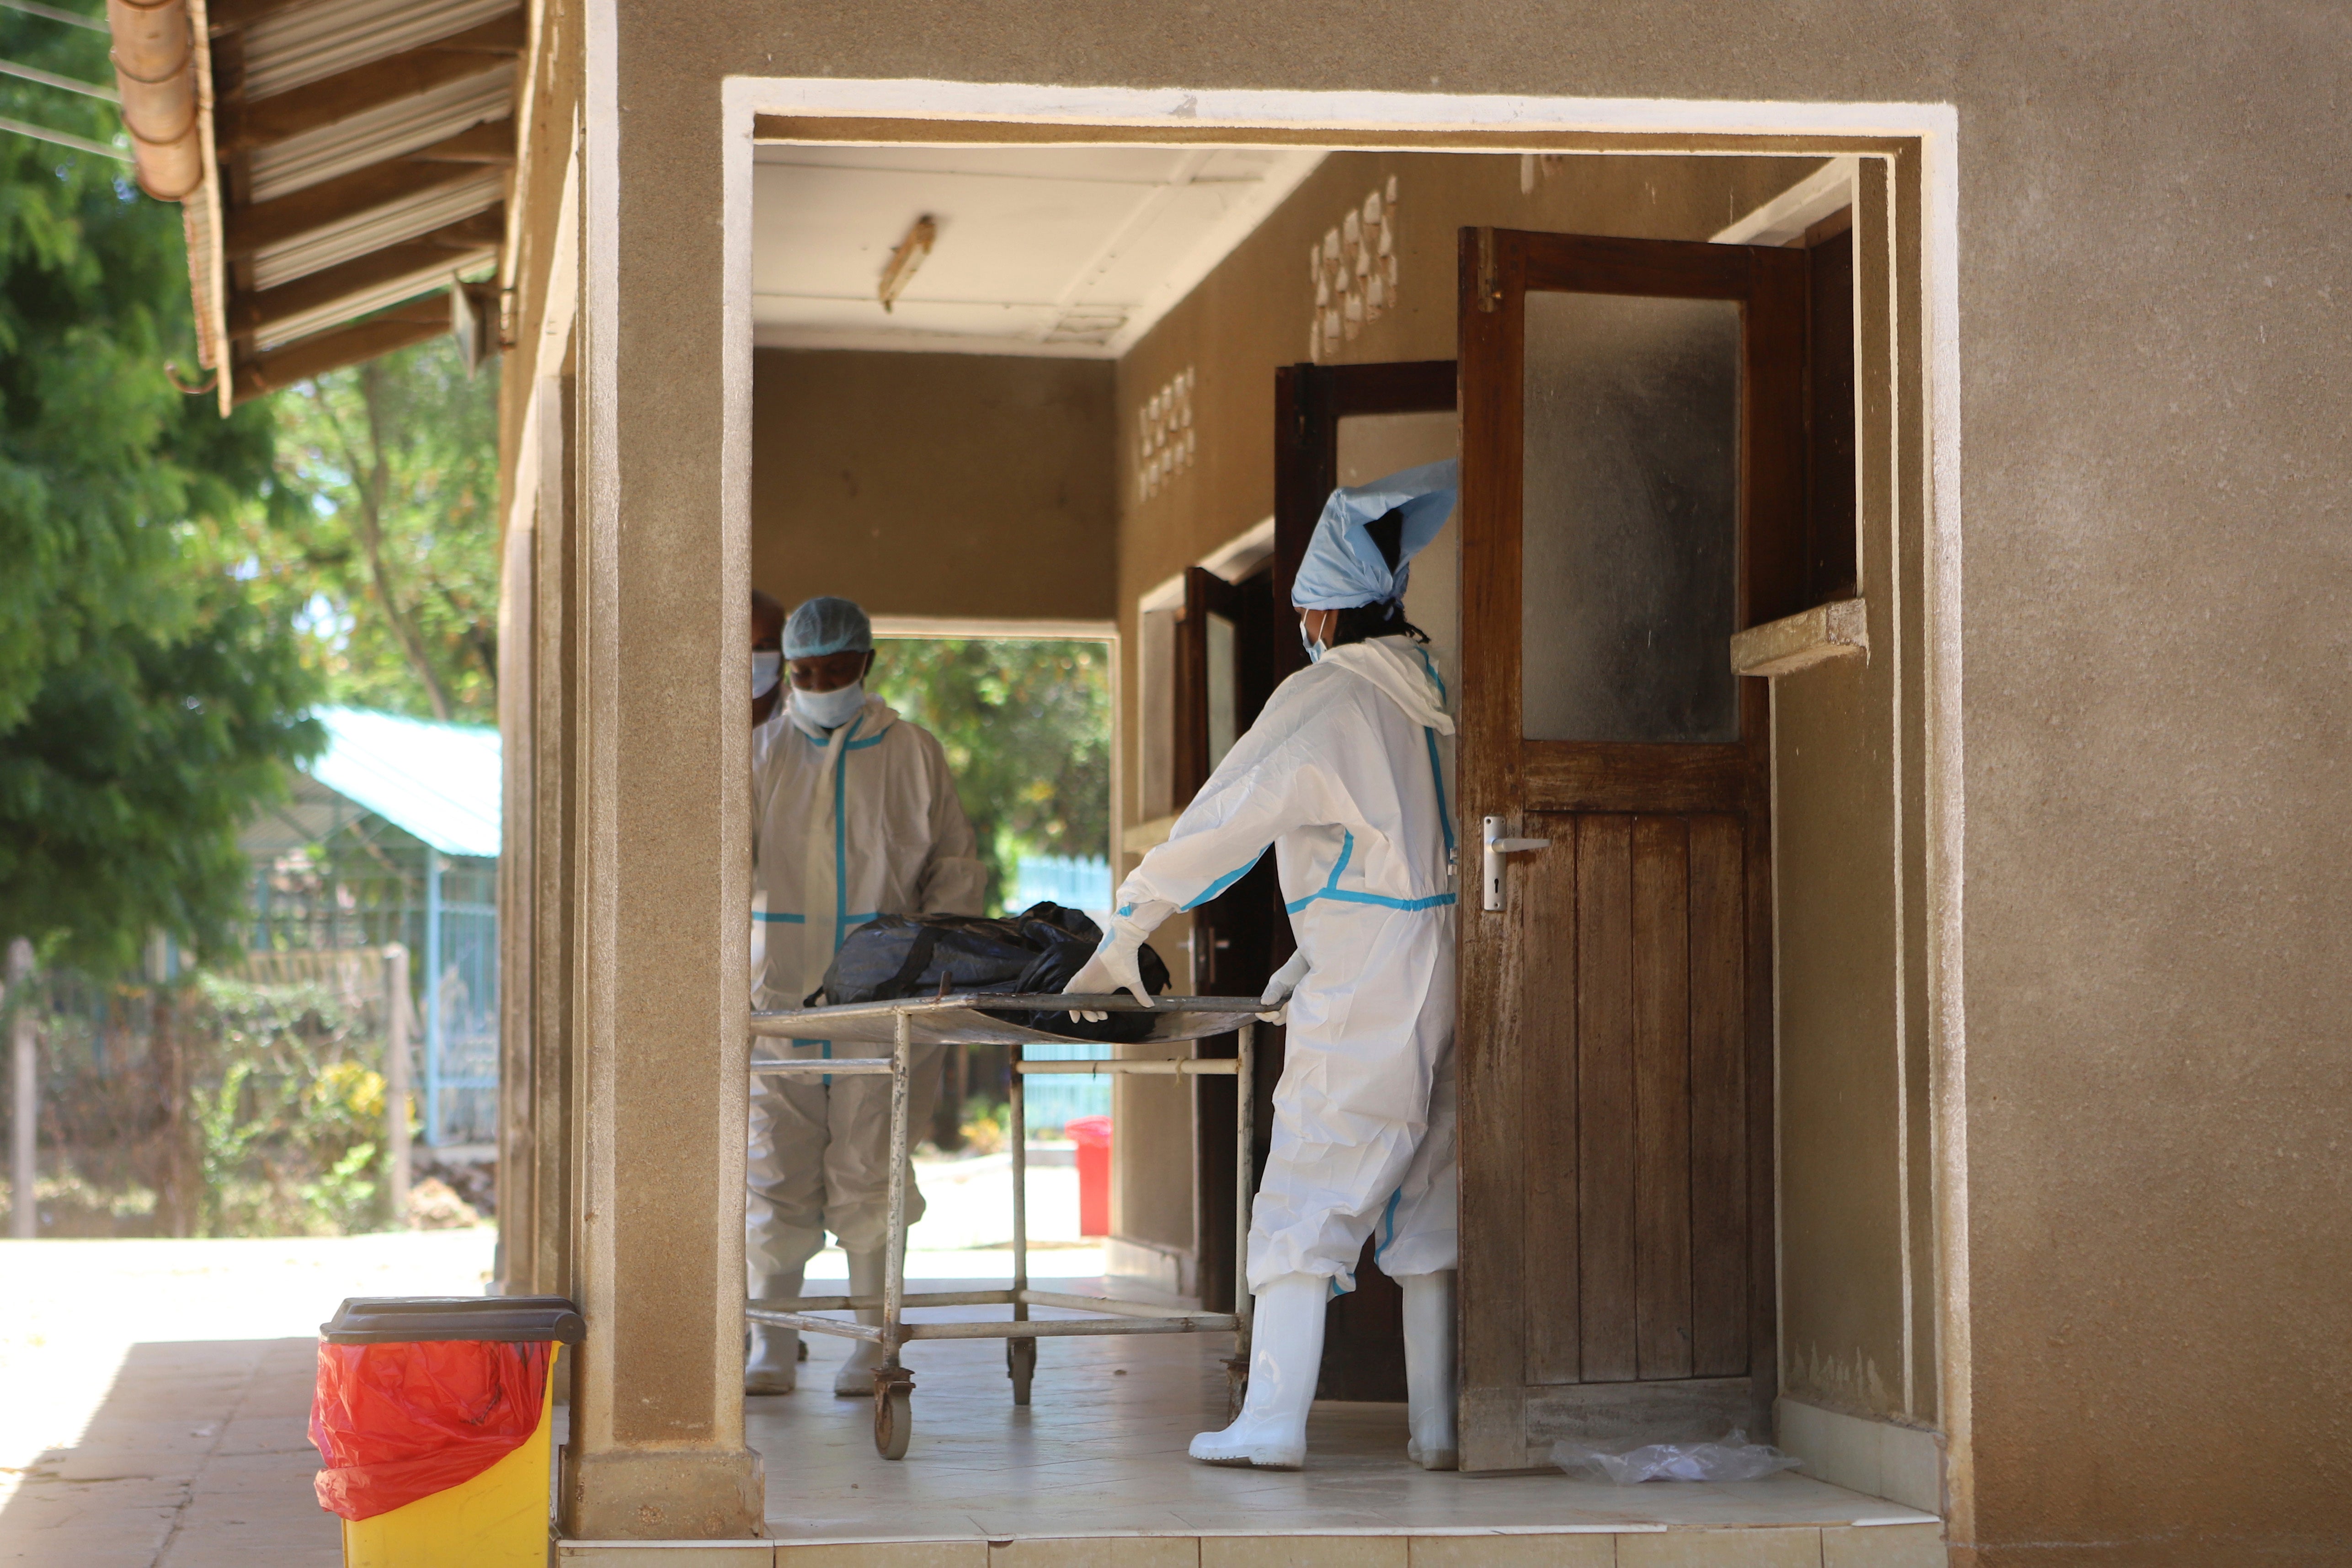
(391, 564)
(104, 464)
(145, 707)
(1026, 729)
(124, 786)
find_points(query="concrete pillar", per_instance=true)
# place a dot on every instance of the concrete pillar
(656, 1448)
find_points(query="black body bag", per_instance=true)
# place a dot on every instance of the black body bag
(893, 957)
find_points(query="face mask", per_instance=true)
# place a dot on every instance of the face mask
(767, 664)
(1315, 650)
(830, 710)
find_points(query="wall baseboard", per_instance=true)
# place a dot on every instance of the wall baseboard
(1878, 1458)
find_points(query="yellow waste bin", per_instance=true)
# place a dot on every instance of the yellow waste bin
(434, 1368)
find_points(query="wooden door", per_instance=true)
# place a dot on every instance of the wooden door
(1225, 668)
(1634, 492)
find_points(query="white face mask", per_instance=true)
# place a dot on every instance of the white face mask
(1315, 650)
(830, 710)
(767, 664)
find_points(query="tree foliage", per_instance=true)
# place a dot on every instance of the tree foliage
(391, 565)
(102, 461)
(1026, 729)
(123, 788)
(145, 707)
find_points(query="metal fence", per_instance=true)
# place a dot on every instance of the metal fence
(372, 884)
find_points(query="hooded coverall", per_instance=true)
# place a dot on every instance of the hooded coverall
(1342, 776)
(845, 825)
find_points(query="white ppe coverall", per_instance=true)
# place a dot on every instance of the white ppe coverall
(845, 825)
(1340, 774)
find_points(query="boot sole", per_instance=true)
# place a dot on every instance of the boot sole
(1246, 1463)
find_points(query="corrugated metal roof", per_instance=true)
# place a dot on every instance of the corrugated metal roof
(373, 142)
(387, 131)
(394, 291)
(440, 782)
(466, 194)
(304, 44)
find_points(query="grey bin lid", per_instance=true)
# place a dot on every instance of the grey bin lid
(407, 1320)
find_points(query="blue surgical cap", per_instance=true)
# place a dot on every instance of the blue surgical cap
(827, 625)
(1344, 567)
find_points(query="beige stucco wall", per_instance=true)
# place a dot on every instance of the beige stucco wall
(940, 485)
(2152, 260)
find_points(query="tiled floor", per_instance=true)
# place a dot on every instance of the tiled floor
(1100, 1453)
(156, 1395)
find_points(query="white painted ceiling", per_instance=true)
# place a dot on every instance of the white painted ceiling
(1070, 251)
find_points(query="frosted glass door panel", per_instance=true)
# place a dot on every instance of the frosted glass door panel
(1222, 730)
(1629, 534)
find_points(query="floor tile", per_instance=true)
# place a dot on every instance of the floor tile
(1099, 1551)
(1514, 1552)
(666, 1554)
(1721, 1549)
(1304, 1552)
(888, 1555)
(1885, 1546)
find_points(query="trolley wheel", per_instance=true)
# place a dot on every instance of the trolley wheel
(893, 1415)
(1020, 1366)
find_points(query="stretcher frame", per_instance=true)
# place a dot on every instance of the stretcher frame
(974, 1018)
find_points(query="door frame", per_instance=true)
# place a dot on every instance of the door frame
(1908, 152)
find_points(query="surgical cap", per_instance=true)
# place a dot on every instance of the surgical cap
(827, 625)
(1345, 565)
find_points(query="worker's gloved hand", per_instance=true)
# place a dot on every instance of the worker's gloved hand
(1279, 989)
(1114, 967)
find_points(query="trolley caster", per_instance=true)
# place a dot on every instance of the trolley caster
(1020, 1366)
(894, 1415)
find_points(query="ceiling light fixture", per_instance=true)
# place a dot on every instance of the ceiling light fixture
(906, 259)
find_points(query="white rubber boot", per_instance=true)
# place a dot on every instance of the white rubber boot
(772, 1363)
(856, 1378)
(1429, 1369)
(1286, 1356)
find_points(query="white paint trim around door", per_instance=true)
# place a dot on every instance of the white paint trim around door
(1439, 121)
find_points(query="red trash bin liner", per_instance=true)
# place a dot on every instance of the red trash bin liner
(1092, 1135)
(398, 1422)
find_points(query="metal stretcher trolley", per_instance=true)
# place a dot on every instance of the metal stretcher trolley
(973, 1019)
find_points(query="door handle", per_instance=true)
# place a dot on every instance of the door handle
(1496, 846)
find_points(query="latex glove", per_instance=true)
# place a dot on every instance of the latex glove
(1114, 967)
(1279, 989)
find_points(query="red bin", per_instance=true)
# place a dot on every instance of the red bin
(1092, 1135)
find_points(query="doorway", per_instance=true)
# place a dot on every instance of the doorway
(1145, 525)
